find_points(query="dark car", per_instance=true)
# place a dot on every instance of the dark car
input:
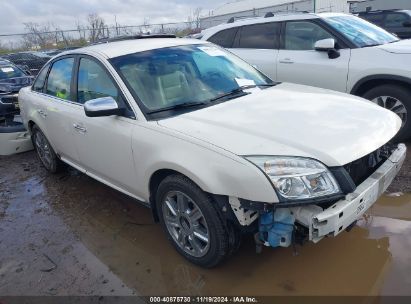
(13, 136)
(34, 61)
(12, 79)
(394, 21)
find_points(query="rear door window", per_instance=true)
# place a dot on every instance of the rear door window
(377, 19)
(224, 38)
(59, 80)
(396, 19)
(260, 36)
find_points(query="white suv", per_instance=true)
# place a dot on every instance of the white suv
(213, 146)
(332, 51)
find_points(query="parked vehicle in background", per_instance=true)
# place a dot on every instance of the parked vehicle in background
(13, 135)
(211, 144)
(33, 60)
(332, 51)
(394, 21)
(12, 79)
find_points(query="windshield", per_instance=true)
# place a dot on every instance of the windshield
(362, 33)
(200, 73)
(7, 72)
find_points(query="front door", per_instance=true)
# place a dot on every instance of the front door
(103, 143)
(298, 61)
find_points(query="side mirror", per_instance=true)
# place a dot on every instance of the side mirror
(407, 24)
(105, 106)
(324, 45)
(327, 45)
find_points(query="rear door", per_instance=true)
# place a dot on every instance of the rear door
(55, 108)
(258, 45)
(299, 62)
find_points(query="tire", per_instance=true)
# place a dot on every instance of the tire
(394, 92)
(179, 188)
(235, 239)
(45, 152)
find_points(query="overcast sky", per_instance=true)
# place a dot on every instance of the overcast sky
(64, 13)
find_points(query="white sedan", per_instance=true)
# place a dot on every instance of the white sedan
(213, 146)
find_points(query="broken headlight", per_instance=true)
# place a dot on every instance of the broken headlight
(297, 178)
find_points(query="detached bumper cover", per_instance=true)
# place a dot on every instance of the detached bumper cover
(343, 213)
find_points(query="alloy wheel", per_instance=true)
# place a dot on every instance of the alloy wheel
(186, 223)
(393, 104)
(43, 149)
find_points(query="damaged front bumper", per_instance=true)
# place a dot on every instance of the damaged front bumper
(277, 223)
(338, 217)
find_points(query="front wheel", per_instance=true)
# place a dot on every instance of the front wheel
(191, 221)
(396, 99)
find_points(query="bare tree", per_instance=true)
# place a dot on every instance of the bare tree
(193, 20)
(96, 27)
(196, 17)
(81, 29)
(38, 35)
(117, 26)
(146, 25)
(2, 48)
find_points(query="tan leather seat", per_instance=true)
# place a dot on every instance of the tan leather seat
(173, 87)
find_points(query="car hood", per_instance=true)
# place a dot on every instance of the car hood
(13, 85)
(293, 120)
(399, 47)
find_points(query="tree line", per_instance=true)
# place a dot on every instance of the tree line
(49, 36)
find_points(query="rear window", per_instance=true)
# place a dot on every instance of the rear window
(10, 71)
(224, 38)
(396, 19)
(260, 36)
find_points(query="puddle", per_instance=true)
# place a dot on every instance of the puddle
(112, 235)
(396, 207)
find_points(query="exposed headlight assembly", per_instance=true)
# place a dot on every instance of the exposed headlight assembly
(297, 178)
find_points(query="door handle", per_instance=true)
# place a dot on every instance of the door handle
(42, 113)
(79, 128)
(286, 61)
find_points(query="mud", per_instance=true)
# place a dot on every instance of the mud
(67, 234)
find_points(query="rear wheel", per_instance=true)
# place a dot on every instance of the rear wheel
(44, 151)
(396, 99)
(191, 221)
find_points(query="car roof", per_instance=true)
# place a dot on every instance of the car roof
(125, 47)
(385, 11)
(279, 17)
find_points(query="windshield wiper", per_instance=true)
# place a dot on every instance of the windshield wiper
(178, 107)
(241, 89)
(234, 92)
(371, 45)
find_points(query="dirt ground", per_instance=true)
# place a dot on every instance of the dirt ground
(68, 234)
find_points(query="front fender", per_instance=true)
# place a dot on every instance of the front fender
(214, 170)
